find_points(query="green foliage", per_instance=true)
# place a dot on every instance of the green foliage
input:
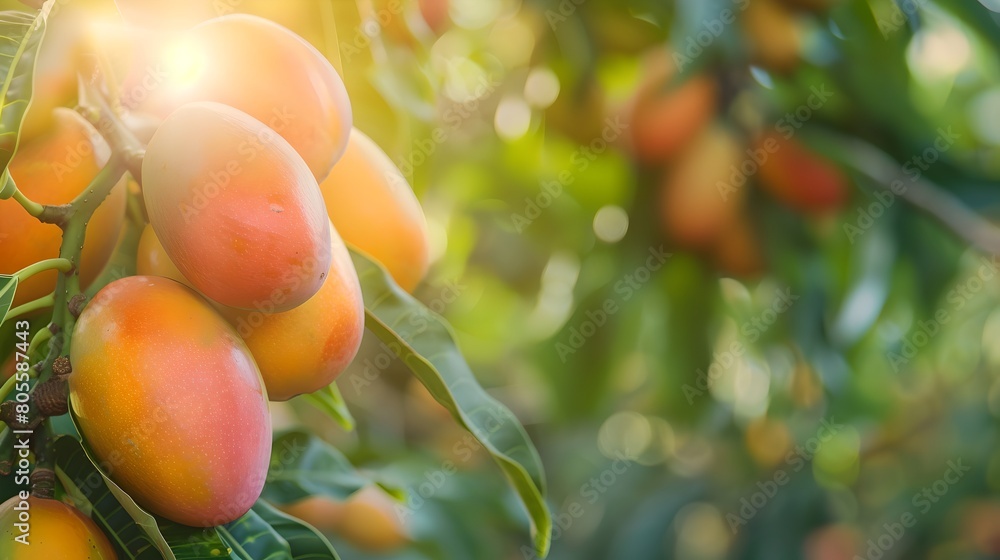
(427, 346)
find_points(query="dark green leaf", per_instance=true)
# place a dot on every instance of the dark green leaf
(303, 465)
(302, 538)
(427, 346)
(254, 539)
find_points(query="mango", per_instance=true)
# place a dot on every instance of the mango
(800, 178)
(367, 519)
(236, 208)
(665, 117)
(697, 202)
(53, 169)
(325, 331)
(775, 39)
(55, 530)
(262, 69)
(170, 400)
(374, 209)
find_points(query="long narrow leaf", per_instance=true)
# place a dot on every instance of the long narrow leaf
(427, 346)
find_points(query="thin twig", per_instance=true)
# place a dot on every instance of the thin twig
(921, 193)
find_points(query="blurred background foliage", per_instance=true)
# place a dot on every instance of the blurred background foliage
(552, 144)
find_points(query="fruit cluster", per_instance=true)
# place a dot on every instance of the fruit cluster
(682, 120)
(254, 182)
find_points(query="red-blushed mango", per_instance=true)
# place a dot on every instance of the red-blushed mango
(436, 14)
(697, 204)
(54, 530)
(374, 209)
(168, 394)
(834, 542)
(325, 332)
(665, 118)
(774, 36)
(236, 208)
(265, 70)
(53, 169)
(799, 177)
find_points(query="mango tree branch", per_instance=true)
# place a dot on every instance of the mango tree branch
(62, 265)
(74, 232)
(33, 208)
(31, 306)
(920, 193)
(123, 143)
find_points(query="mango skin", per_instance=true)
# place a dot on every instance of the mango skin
(696, 208)
(374, 209)
(169, 397)
(665, 118)
(800, 178)
(325, 331)
(236, 208)
(152, 259)
(225, 60)
(56, 530)
(53, 169)
(367, 519)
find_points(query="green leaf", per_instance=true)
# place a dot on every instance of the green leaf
(86, 485)
(304, 540)
(330, 401)
(171, 540)
(303, 465)
(8, 287)
(20, 36)
(427, 346)
(254, 539)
